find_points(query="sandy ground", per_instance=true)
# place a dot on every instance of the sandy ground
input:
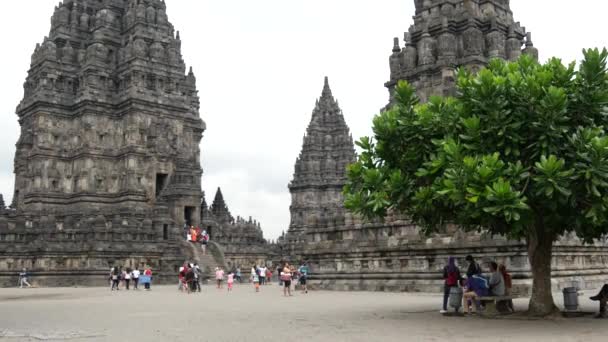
(164, 314)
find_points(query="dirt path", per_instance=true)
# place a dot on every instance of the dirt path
(164, 314)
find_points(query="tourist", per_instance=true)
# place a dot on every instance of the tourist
(268, 279)
(239, 275)
(189, 279)
(262, 274)
(181, 274)
(508, 285)
(197, 278)
(451, 277)
(219, 276)
(602, 297)
(23, 279)
(254, 271)
(127, 276)
(473, 268)
(279, 271)
(255, 279)
(115, 276)
(186, 231)
(193, 235)
(477, 286)
(230, 281)
(204, 241)
(497, 282)
(286, 275)
(148, 280)
(303, 271)
(135, 276)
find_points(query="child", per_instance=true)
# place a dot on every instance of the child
(230, 281)
(256, 281)
(219, 276)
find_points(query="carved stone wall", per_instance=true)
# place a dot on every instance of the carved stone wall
(107, 167)
(346, 253)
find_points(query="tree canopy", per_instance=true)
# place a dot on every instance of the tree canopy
(521, 151)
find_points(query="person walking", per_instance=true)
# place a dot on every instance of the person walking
(262, 274)
(148, 274)
(219, 276)
(135, 277)
(239, 275)
(230, 281)
(197, 277)
(127, 275)
(255, 279)
(286, 278)
(23, 279)
(303, 271)
(115, 278)
(451, 277)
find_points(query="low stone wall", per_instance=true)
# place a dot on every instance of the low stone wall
(59, 265)
(396, 258)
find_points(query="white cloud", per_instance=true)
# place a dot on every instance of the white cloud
(260, 67)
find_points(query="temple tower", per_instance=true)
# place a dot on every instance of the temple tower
(110, 118)
(449, 34)
(107, 167)
(320, 170)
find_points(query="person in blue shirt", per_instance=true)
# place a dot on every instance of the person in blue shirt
(477, 286)
(303, 271)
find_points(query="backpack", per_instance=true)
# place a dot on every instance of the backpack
(452, 279)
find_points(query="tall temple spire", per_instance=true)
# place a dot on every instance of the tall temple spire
(448, 34)
(219, 209)
(320, 170)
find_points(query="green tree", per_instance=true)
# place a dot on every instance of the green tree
(521, 151)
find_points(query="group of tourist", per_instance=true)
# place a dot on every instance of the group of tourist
(288, 274)
(189, 278)
(497, 283)
(197, 235)
(262, 275)
(123, 278)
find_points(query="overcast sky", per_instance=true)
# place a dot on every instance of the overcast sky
(260, 66)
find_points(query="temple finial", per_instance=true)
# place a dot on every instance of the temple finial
(326, 89)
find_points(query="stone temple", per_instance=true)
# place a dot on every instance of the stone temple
(107, 168)
(347, 253)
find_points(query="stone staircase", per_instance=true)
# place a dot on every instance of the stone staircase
(207, 262)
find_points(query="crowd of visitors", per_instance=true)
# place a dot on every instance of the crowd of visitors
(125, 277)
(496, 283)
(197, 235)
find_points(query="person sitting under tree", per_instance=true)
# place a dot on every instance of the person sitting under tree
(602, 297)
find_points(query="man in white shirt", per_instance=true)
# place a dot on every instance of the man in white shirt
(23, 279)
(135, 275)
(262, 275)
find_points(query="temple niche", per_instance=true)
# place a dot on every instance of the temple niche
(107, 167)
(348, 253)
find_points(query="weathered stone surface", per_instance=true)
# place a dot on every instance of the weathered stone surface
(320, 170)
(449, 34)
(242, 241)
(107, 168)
(346, 253)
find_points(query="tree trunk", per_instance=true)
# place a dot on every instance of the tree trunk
(540, 246)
